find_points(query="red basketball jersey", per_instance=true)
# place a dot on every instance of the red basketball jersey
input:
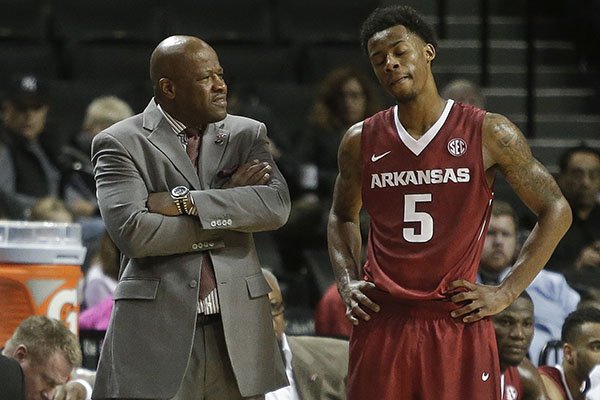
(556, 374)
(428, 200)
(512, 389)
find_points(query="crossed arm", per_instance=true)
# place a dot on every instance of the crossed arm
(142, 224)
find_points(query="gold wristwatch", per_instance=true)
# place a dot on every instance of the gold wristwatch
(181, 198)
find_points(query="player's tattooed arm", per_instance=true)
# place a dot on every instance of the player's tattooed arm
(506, 149)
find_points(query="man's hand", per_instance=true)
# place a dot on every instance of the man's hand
(589, 257)
(353, 295)
(251, 173)
(162, 203)
(481, 300)
(70, 391)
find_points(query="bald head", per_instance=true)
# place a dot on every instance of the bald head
(188, 80)
(276, 300)
(167, 57)
(273, 282)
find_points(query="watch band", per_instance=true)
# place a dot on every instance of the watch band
(181, 205)
(192, 210)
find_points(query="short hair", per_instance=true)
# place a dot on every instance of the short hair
(576, 319)
(565, 157)
(525, 295)
(383, 18)
(43, 336)
(105, 111)
(500, 208)
(50, 209)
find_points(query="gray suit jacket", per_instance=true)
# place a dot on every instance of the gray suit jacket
(320, 367)
(149, 340)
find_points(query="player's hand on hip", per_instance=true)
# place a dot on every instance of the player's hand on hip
(476, 301)
(357, 302)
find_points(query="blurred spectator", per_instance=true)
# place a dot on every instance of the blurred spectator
(50, 209)
(465, 91)
(242, 100)
(578, 253)
(97, 317)
(316, 367)
(27, 173)
(590, 297)
(344, 98)
(552, 297)
(37, 361)
(101, 279)
(79, 187)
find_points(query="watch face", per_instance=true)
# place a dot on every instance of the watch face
(179, 191)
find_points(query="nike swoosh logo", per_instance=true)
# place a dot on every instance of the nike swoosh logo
(375, 158)
(485, 376)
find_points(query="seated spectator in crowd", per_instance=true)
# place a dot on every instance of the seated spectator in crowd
(465, 91)
(50, 209)
(344, 97)
(100, 283)
(37, 361)
(79, 186)
(316, 367)
(101, 279)
(552, 297)
(27, 172)
(581, 353)
(578, 253)
(514, 331)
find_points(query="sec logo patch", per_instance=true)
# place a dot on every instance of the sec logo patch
(457, 147)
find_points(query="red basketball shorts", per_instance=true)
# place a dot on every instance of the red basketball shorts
(418, 351)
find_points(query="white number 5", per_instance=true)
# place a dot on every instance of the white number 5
(412, 215)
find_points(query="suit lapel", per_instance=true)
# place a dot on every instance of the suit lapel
(214, 142)
(166, 141)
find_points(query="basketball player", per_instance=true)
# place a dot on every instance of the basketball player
(424, 171)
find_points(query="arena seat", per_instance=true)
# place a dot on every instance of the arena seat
(217, 21)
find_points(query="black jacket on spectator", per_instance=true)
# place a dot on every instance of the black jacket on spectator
(11, 379)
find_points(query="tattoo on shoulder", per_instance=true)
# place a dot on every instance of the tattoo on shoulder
(506, 136)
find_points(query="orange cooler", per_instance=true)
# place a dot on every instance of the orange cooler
(40, 270)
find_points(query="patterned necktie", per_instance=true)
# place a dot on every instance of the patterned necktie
(208, 282)
(192, 147)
